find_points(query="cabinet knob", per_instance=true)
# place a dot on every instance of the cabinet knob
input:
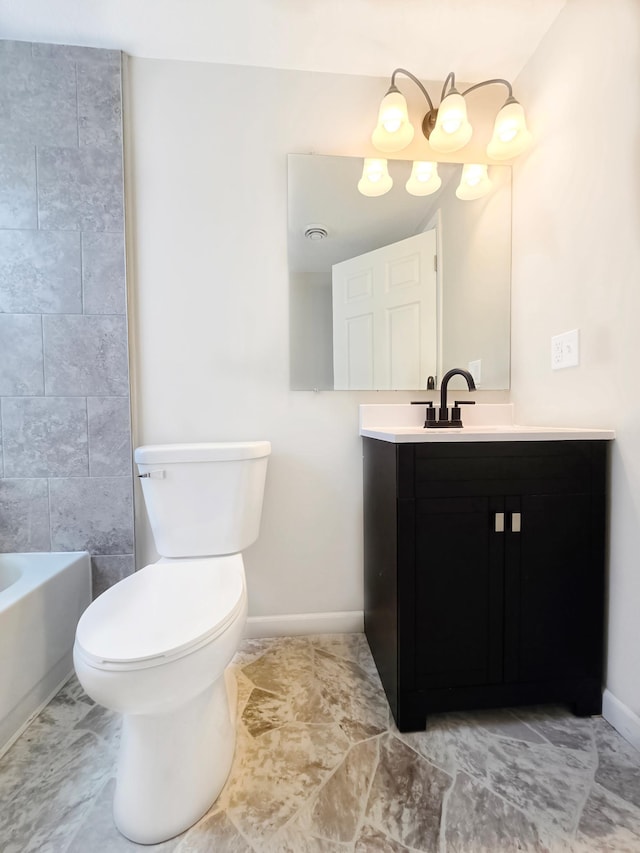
(516, 522)
(499, 522)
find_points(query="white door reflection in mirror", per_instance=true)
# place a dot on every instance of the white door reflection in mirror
(384, 316)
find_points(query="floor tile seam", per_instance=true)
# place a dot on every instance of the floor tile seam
(317, 837)
(568, 750)
(534, 731)
(442, 840)
(240, 832)
(529, 726)
(594, 747)
(86, 814)
(273, 728)
(240, 709)
(365, 799)
(552, 835)
(530, 818)
(319, 647)
(259, 687)
(618, 799)
(519, 740)
(437, 765)
(329, 724)
(318, 789)
(589, 791)
(338, 658)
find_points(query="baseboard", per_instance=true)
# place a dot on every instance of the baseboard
(621, 718)
(296, 624)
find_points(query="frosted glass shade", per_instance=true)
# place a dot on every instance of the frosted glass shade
(510, 135)
(375, 179)
(394, 130)
(424, 178)
(474, 182)
(452, 130)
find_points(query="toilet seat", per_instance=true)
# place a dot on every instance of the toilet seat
(162, 612)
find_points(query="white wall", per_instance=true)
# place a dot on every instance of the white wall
(207, 179)
(476, 266)
(576, 252)
(311, 330)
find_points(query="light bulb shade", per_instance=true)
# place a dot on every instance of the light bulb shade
(375, 179)
(424, 178)
(474, 182)
(452, 130)
(394, 130)
(510, 134)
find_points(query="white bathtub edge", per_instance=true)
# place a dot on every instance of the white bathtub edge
(25, 712)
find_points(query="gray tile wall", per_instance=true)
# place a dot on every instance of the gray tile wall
(65, 435)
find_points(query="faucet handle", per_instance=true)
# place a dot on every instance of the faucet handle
(431, 412)
(455, 411)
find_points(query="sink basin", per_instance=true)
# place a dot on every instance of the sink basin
(404, 423)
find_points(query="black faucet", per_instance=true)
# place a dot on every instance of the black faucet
(443, 412)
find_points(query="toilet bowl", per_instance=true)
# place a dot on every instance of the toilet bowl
(154, 647)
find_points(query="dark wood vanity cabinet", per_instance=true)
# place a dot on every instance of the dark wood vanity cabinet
(484, 573)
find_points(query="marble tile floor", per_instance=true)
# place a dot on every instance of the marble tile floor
(321, 768)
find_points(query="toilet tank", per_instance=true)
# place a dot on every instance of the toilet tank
(203, 499)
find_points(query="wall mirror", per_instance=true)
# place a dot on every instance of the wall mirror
(386, 291)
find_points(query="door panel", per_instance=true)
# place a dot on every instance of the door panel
(359, 349)
(396, 287)
(557, 593)
(458, 593)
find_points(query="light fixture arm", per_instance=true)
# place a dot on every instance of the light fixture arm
(489, 83)
(415, 80)
(450, 77)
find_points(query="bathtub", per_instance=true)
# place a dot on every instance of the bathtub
(42, 596)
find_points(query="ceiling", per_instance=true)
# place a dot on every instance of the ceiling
(323, 191)
(363, 37)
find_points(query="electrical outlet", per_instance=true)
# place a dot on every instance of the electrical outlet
(565, 350)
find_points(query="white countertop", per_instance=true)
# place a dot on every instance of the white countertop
(404, 424)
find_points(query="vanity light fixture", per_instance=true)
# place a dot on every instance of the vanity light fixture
(375, 179)
(474, 182)
(447, 127)
(424, 178)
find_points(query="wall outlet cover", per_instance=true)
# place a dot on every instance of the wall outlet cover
(565, 350)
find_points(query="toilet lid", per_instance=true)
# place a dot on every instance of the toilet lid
(162, 611)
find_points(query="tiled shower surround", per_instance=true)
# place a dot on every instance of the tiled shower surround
(65, 437)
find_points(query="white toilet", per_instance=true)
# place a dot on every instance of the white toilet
(154, 647)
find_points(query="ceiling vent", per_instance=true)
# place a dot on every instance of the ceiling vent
(316, 232)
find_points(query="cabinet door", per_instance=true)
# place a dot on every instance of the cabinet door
(553, 584)
(459, 592)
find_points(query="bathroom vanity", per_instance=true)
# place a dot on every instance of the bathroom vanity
(484, 562)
